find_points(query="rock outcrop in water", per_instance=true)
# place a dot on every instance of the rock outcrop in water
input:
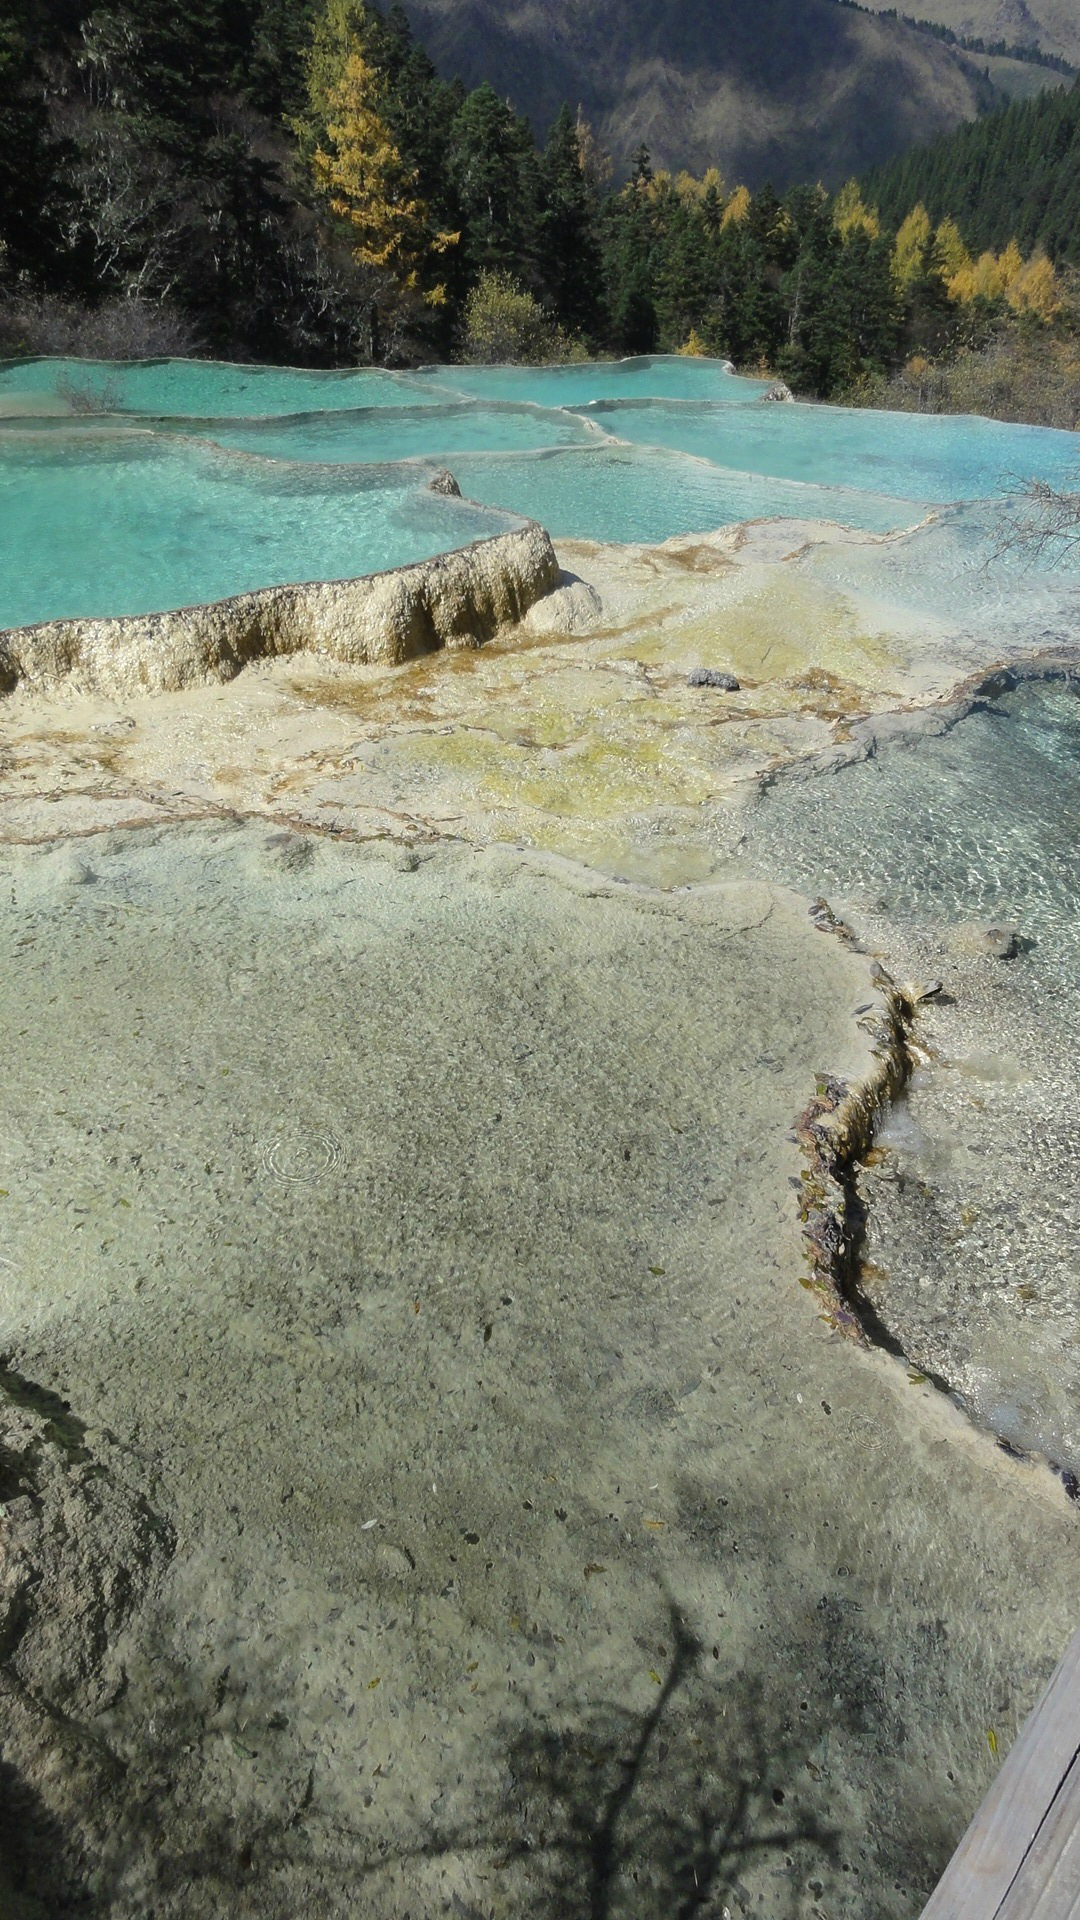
(443, 482)
(455, 600)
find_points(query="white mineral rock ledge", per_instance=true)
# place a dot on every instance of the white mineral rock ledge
(455, 600)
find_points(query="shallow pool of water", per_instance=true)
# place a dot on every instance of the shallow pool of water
(647, 494)
(923, 457)
(93, 525)
(974, 1248)
(203, 388)
(436, 433)
(102, 525)
(669, 376)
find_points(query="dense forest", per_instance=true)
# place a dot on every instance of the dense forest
(1014, 175)
(293, 180)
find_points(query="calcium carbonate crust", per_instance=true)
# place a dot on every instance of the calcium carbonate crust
(454, 601)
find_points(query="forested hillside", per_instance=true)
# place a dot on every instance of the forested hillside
(294, 180)
(783, 90)
(1014, 175)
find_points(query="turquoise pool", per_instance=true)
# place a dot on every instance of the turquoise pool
(405, 433)
(648, 494)
(118, 525)
(137, 487)
(925, 457)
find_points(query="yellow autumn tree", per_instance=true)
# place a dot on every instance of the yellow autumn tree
(1029, 286)
(737, 207)
(910, 251)
(1036, 290)
(692, 192)
(365, 181)
(596, 163)
(337, 31)
(851, 214)
(1010, 264)
(660, 188)
(987, 278)
(953, 256)
(357, 169)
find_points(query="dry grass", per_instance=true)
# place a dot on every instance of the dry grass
(1019, 376)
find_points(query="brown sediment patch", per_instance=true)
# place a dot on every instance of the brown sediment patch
(700, 558)
(836, 1131)
(456, 600)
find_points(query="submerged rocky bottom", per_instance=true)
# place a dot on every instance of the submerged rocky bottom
(973, 1227)
(428, 1489)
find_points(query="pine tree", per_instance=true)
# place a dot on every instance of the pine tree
(492, 166)
(1010, 174)
(568, 253)
(30, 194)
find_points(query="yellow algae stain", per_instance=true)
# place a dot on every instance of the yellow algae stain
(591, 778)
(663, 864)
(381, 701)
(776, 631)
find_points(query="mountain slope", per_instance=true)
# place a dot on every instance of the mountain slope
(786, 89)
(1051, 25)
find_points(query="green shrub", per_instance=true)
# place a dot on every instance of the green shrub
(504, 323)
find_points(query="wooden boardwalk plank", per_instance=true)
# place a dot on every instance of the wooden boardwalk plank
(1048, 1884)
(1002, 1835)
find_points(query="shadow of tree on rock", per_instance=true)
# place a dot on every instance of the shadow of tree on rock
(618, 1814)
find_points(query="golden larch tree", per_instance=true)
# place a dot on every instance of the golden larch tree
(363, 177)
(851, 214)
(910, 251)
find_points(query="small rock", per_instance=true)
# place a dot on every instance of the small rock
(779, 392)
(574, 606)
(443, 482)
(712, 677)
(76, 872)
(396, 1562)
(1002, 942)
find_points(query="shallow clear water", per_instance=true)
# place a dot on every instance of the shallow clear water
(961, 567)
(643, 494)
(131, 524)
(205, 388)
(668, 376)
(926, 457)
(975, 1237)
(93, 523)
(407, 433)
(978, 824)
